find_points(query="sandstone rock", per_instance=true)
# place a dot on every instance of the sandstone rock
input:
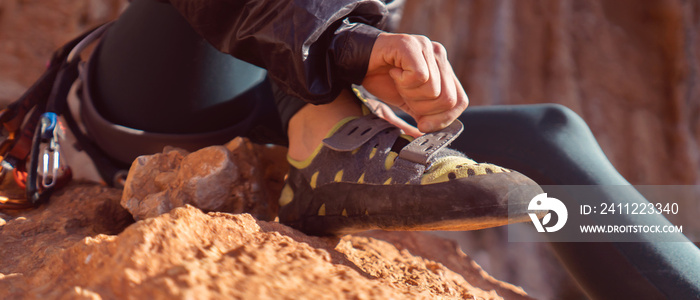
(206, 178)
(149, 177)
(261, 169)
(239, 177)
(70, 248)
(73, 213)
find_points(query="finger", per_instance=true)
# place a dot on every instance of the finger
(449, 83)
(434, 122)
(431, 88)
(409, 129)
(412, 73)
(385, 112)
(448, 96)
(383, 87)
(432, 107)
(412, 69)
(405, 108)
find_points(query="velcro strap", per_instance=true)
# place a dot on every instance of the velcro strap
(357, 132)
(422, 149)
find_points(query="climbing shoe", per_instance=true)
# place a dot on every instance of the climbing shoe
(367, 175)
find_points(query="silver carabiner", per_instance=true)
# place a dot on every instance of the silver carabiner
(52, 166)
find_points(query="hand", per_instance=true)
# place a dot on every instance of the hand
(413, 73)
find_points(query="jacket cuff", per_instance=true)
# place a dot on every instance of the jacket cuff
(353, 46)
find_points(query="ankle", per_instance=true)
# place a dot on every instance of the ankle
(310, 125)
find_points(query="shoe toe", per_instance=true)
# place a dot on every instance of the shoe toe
(457, 167)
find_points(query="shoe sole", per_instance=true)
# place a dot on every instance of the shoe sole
(485, 201)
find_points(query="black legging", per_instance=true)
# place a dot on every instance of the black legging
(154, 73)
(552, 145)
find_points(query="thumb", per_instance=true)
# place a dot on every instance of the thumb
(408, 77)
(396, 74)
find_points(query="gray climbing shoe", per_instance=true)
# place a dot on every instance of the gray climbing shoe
(367, 175)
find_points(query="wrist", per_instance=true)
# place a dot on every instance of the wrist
(353, 46)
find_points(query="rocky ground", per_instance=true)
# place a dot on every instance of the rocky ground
(85, 244)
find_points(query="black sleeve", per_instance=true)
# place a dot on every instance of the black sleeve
(311, 48)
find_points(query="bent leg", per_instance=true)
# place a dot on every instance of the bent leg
(153, 72)
(552, 145)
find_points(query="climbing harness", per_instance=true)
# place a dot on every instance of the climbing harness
(32, 129)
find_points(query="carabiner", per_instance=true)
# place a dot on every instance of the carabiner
(46, 165)
(52, 166)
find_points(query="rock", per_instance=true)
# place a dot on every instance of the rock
(73, 213)
(515, 262)
(261, 169)
(239, 177)
(64, 250)
(448, 253)
(149, 177)
(629, 68)
(206, 179)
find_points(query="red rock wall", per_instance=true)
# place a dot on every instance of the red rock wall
(630, 68)
(30, 30)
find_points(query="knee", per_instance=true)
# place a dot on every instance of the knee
(559, 117)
